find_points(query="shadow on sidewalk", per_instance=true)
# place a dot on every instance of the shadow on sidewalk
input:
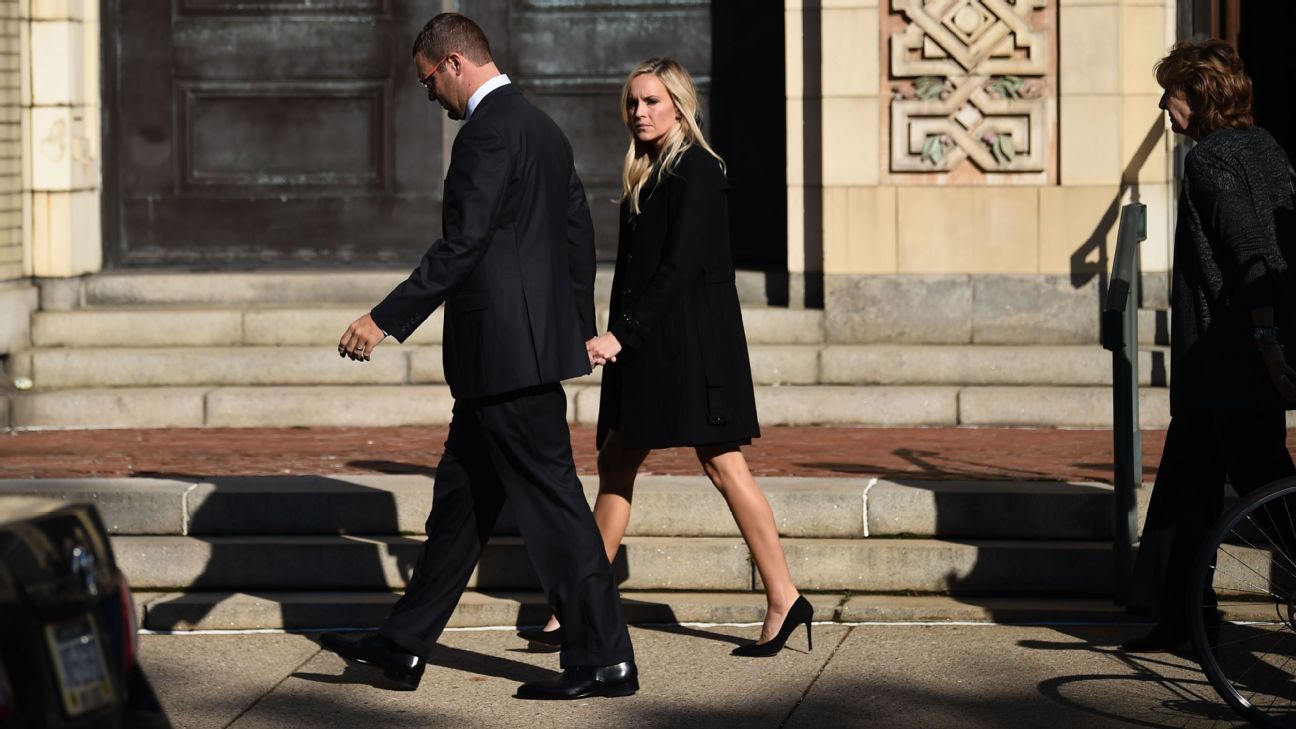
(1171, 681)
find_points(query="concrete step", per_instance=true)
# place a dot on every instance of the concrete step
(1058, 365)
(251, 365)
(258, 324)
(360, 610)
(665, 506)
(962, 567)
(1154, 327)
(259, 288)
(389, 405)
(1058, 407)
(59, 368)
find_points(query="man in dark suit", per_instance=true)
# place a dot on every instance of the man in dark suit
(515, 270)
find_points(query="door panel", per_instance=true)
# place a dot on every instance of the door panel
(292, 132)
(268, 133)
(572, 56)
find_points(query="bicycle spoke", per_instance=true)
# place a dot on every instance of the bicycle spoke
(1271, 542)
(1276, 695)
(1253, 665)
(1281, 543)
(1253, 571)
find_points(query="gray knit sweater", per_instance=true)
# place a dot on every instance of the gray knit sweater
(1236, 230)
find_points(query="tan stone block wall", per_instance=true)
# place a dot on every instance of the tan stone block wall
(1112, 147)
(61, 142)
(11, 144)
(968, 229)
(860, 229)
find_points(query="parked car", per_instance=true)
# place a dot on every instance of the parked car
(68, 632)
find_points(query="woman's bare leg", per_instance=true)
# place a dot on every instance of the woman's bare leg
(617, 468)
(727, 469)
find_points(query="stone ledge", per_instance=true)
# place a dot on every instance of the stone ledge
(665, 506)
(960, 309)
(980, 567)
(18, 299)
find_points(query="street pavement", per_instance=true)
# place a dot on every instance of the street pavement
(896, 675)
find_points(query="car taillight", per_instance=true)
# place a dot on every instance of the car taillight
(130, 625)
(6, 695)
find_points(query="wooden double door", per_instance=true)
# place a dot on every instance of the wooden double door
(293, 133)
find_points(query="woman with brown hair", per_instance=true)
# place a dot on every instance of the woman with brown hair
(676, 371)
(1230, 315)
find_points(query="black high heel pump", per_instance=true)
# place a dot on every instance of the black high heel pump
(801, 612)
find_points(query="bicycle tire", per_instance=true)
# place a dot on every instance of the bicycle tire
(1239, 539)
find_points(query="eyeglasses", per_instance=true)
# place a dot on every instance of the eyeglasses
(427, 80)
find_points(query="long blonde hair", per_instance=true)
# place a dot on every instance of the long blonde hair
(643, 160)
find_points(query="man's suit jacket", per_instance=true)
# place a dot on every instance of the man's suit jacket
(515, 263)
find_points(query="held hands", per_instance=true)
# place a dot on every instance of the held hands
(1281, 374)
(605, 347)
(359, 340)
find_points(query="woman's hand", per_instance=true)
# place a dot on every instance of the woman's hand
(604, 348)
(1281, 374)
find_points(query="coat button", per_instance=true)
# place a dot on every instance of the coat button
(625, 292)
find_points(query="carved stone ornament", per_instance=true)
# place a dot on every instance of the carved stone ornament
(969, 86)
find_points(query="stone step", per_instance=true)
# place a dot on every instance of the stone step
(1154, 327)
(58, 368)
(248, 365)
(260, 288)
(665, 506)
(391, 405)
(981, 365)
(963, 567)
(361, 610)
(316, 326)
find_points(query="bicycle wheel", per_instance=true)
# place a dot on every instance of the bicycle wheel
(1242, 606)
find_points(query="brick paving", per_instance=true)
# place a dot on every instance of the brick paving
(925, 453)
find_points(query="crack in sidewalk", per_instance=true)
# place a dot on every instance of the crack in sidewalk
(318, 649)
(801, 699)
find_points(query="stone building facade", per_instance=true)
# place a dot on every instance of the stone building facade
(924, 172)
(957, 166)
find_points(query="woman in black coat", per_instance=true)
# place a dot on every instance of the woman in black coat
(675, 362)
(1230, 383)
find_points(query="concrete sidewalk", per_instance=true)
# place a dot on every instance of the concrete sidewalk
(997, 677)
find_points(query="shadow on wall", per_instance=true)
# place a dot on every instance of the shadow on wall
(1084, 266)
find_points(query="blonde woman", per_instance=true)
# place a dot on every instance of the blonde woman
(676, 371)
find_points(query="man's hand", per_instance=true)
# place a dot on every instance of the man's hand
(602, 349)
(1281, 374)
(359, 340)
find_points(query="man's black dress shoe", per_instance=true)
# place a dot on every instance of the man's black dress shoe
(579, 682)
(540, 635)
(403, 669)
(1164, 638)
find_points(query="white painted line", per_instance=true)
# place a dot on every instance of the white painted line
(872, 482)
(184, 509)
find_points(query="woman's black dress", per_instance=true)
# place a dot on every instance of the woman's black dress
(683, 377)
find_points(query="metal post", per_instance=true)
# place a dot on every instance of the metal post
(1120, 335)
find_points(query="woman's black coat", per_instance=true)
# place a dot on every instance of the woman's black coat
(1233, 243)
(683, 377)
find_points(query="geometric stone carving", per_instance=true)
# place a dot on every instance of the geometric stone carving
(970, 87)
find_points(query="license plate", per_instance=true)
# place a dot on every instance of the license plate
(79, 662)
